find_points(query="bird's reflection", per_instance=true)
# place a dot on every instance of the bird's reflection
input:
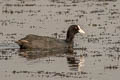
(33, 54)
(75, 63)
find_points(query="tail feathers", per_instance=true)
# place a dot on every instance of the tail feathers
(24, 41)
(21, 41)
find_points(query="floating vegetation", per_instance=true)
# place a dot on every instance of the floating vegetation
(111, 67)
(53, 74)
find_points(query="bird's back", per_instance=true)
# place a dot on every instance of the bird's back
(43, 42)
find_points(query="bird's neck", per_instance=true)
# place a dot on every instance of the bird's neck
(69, 37)
(69, 40)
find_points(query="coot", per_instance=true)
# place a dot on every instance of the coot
(32, 41)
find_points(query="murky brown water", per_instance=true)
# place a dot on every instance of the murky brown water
(97, 51)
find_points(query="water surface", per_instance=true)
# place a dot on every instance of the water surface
(97, 51)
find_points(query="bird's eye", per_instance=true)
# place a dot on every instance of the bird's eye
(76, 28)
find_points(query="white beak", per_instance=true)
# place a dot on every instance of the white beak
(80, 30)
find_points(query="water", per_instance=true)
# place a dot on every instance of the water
(97, 51)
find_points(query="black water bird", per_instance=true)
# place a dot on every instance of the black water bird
(32, 41)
